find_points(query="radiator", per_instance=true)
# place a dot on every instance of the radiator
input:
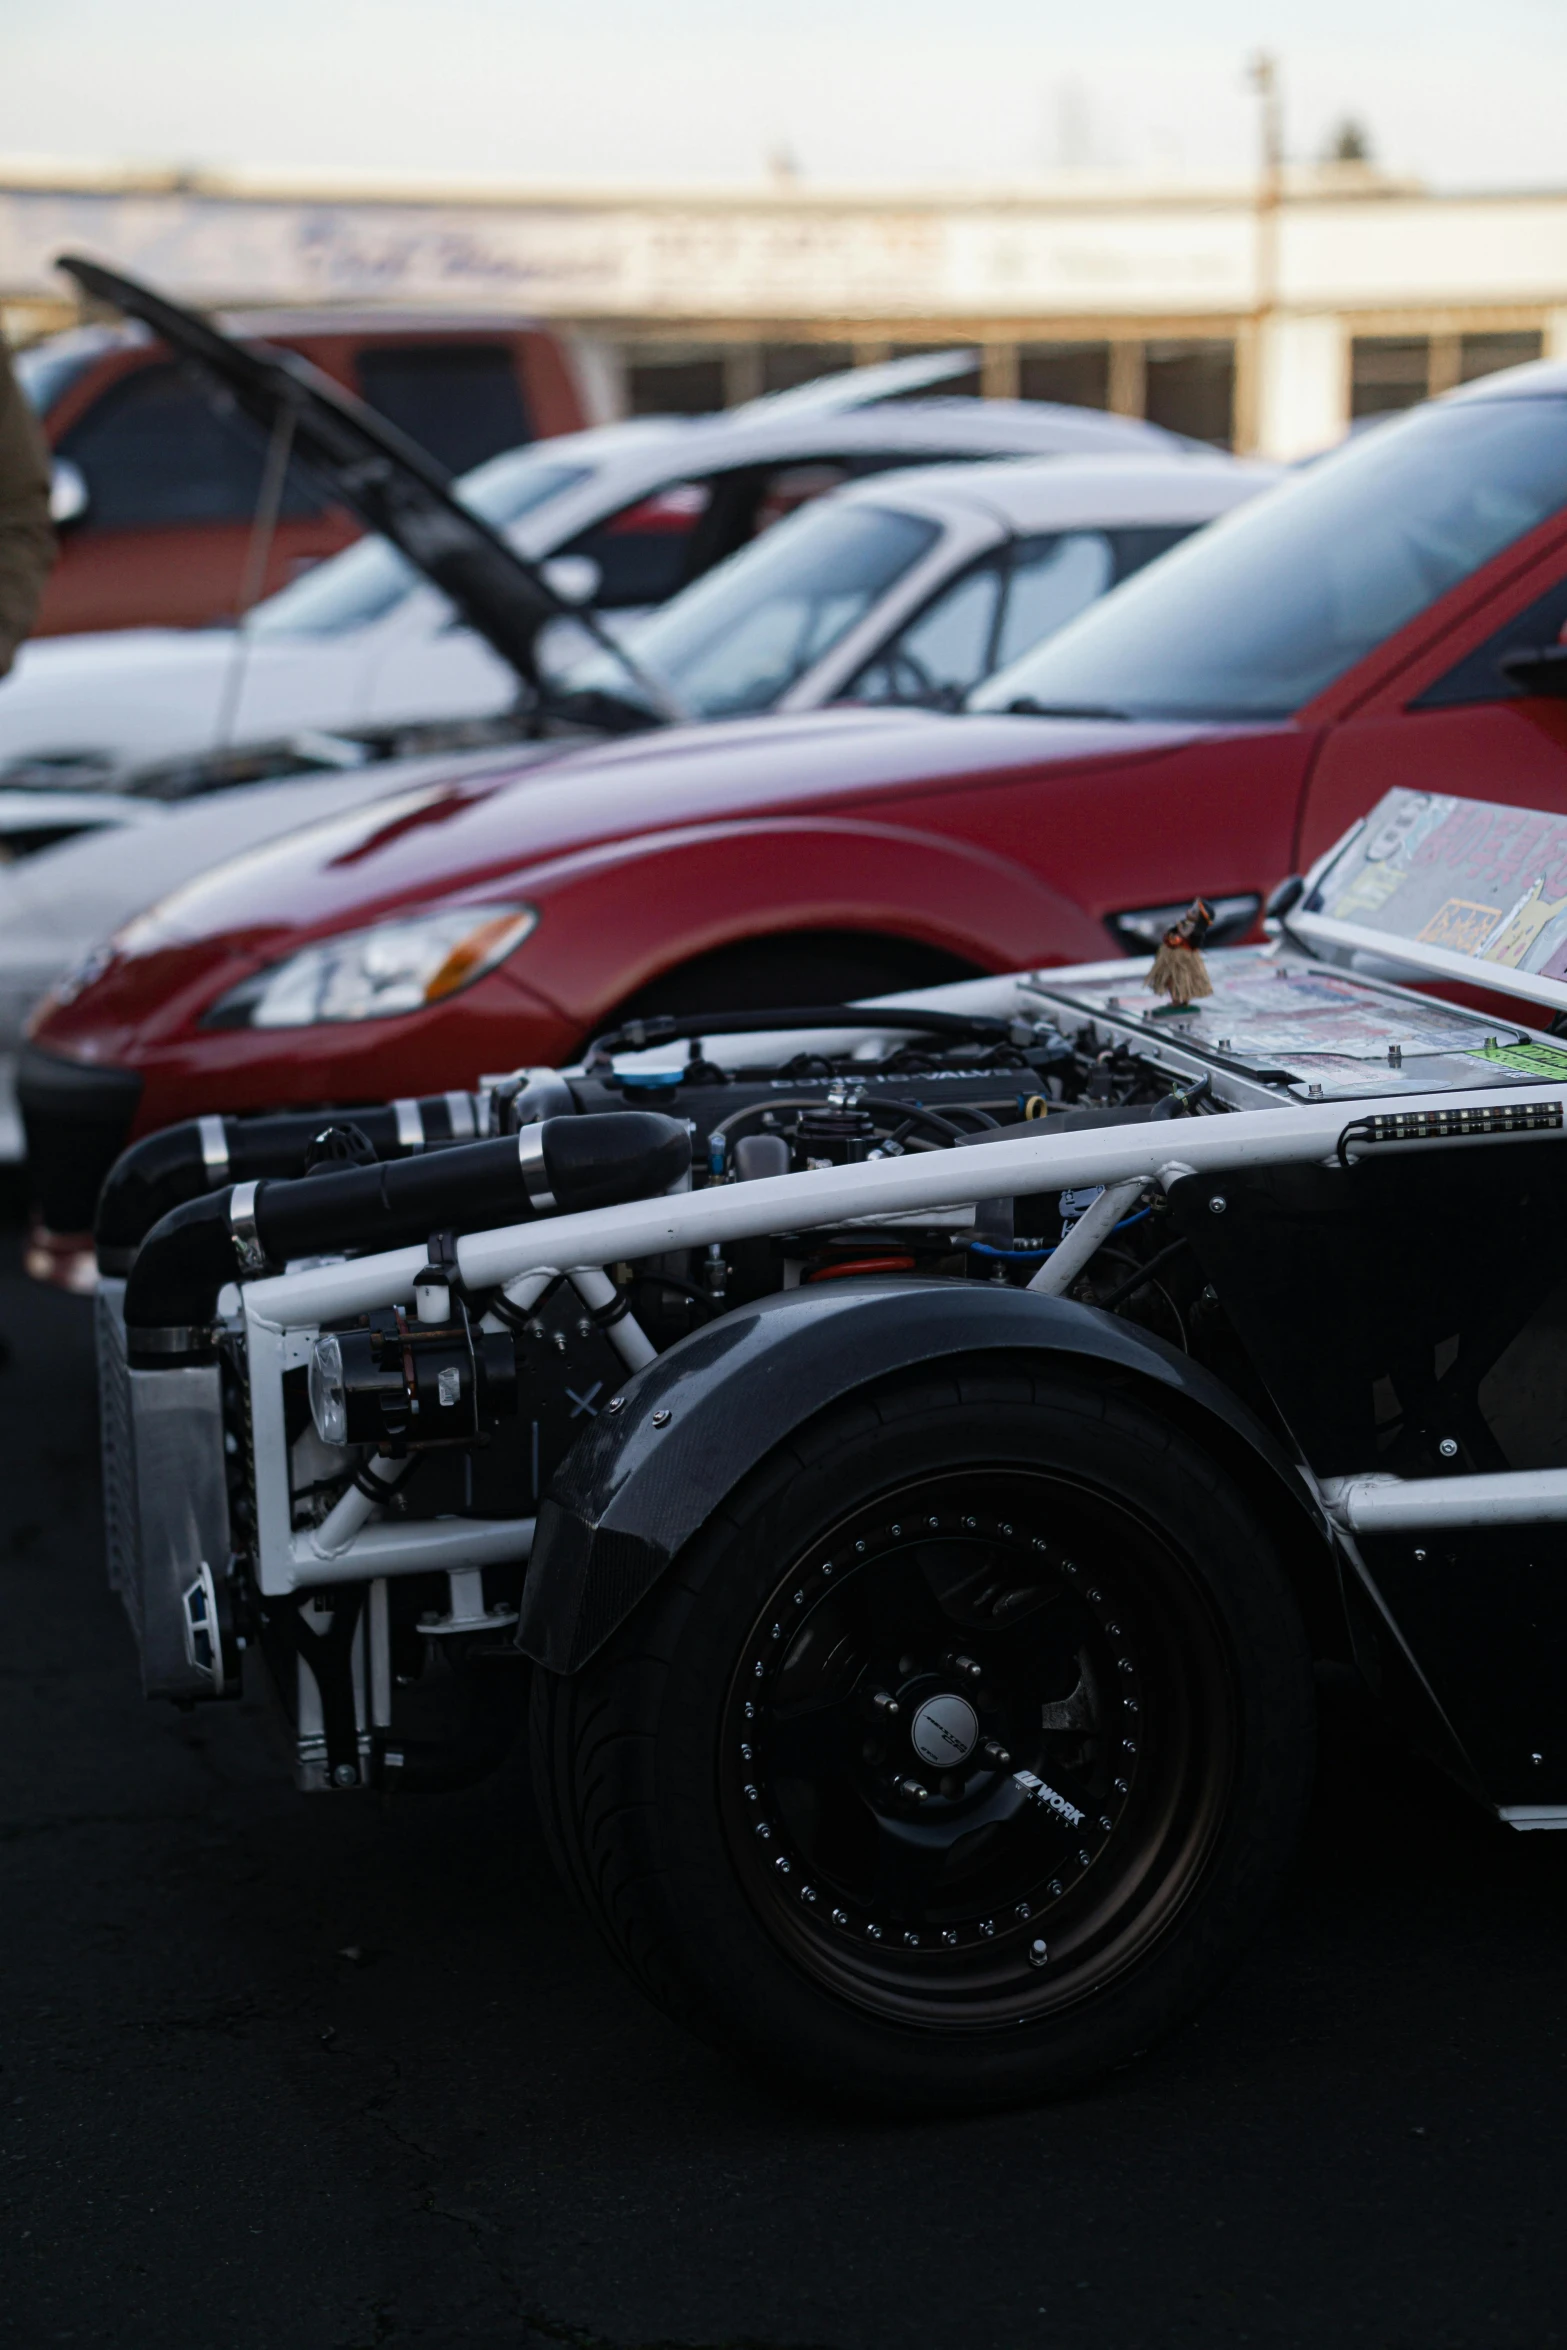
(165, 1502)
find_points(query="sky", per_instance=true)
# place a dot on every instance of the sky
(852, 92)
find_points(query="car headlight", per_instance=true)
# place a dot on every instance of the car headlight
(377, 973)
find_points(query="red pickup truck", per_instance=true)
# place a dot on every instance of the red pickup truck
(156, 489)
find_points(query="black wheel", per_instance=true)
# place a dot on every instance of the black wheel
(957, 1758)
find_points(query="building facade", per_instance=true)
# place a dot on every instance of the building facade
(1266, 318)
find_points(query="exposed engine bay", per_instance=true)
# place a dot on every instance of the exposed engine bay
(454, 1408)
(478, 1396)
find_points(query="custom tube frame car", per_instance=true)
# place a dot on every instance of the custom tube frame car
(914, 1455)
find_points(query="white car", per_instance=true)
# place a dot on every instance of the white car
(911, 588)
(624, 516)
(993, 560)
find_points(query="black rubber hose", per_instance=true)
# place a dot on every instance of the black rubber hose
(163, 1169)
(917, 1114)
(599, 1159)
(1145, 1274)
(171, 1297)
(543, 1095)
(907, 1113)
(591, 1162)
(587, 1163)
(375, 1207)
(661, 1027)
(1087, 1120)
(156, 1174)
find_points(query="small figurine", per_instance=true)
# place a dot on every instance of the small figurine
(1178, 968)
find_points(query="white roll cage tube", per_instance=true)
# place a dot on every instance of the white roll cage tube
(282, 1314)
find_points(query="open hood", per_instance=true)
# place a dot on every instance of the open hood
(383, 477)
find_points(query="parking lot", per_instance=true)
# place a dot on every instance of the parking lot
(783, 1287)
(341, 2074)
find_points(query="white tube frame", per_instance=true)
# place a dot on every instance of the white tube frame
(1157, 1151)
(1098, 1220)
(1407, 1505)
(283, 1314)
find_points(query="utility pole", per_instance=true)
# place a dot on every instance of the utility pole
(1263, 74)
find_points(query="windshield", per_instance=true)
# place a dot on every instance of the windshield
(1265, 608)
(738, 639)
(366, 581)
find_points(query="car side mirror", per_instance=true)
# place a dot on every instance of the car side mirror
(68, 498)
(1537, 669)
(576, 579)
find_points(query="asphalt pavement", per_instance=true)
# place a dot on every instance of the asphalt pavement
(325, 2074)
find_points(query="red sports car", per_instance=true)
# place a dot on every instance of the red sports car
(1390, 615)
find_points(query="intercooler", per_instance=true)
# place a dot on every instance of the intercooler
(165, 1503)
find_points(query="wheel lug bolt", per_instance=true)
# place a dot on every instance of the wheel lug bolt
(1039, 1953)
(967, 1666)
(884, 1704)
(913, 1790)
(996, 1754)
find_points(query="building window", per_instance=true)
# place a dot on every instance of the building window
(1483, 354)
(1388, 372)
(676, 386)
(1394, 371)
(953, 387)
(1076, 374)
(1191, 389)
(786, 364)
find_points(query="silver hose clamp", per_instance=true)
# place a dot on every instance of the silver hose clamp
(535, 1178)
(213, 1136)
(172, 1338)
(410, 1125)
(242, 1229)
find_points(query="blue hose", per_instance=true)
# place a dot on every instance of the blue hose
(1026, 1256)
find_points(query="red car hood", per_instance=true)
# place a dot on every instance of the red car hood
(504, 832)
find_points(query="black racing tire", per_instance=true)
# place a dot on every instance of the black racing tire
(976, 1547)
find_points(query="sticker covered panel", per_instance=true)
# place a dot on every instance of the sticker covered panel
(1318, 1032)
(1454, 887)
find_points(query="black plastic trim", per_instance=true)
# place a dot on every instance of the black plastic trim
(641, 1483)
(77, 1116)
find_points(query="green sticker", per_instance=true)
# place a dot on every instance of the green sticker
(1530, 1060)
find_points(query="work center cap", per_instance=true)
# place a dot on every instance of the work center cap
(945, 1731)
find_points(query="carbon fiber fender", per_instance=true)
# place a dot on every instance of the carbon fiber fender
(681, 1434)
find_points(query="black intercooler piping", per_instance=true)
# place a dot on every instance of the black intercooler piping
(182, 1162)
(560, 1167)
